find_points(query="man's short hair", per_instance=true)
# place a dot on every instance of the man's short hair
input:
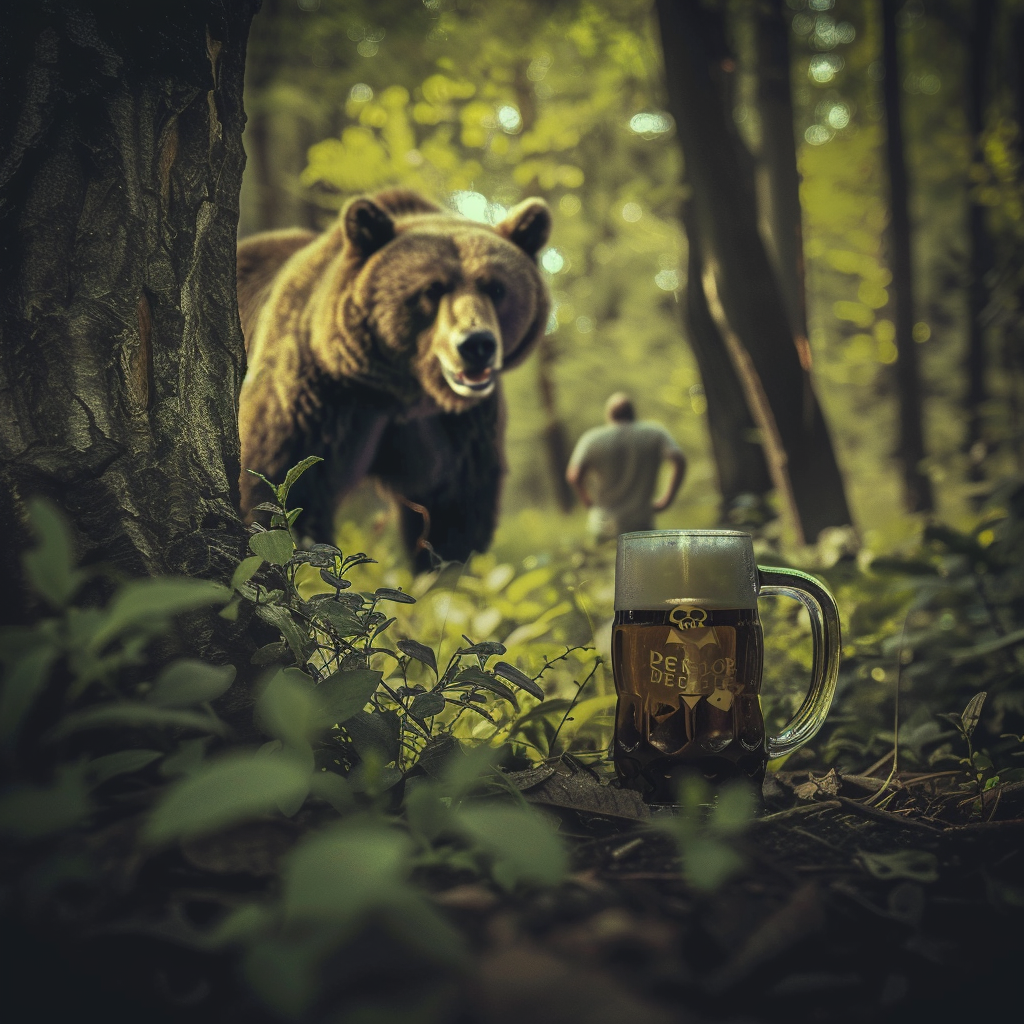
(619, 408)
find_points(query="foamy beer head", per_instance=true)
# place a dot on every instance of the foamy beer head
(659, 569)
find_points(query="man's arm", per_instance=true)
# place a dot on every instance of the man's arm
(678, 472)
(574, 477)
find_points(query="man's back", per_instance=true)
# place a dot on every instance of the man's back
(621, 462)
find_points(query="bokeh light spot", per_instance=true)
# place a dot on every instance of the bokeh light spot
(570, 205)
(885, 330)
(552, 261)
(632, 212)
(510, 119)
(584, 324)
(839, 116)
(360, 92)
(823, 67)
(471, 204)
(921, 332)
(667, 280)
(887, 352)
(650, 123)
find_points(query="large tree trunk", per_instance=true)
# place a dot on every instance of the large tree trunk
(910, 450)
(741, 288)
(739, 459)
(979, 243)
(121, 355)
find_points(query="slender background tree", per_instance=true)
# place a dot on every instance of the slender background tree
(741, 288)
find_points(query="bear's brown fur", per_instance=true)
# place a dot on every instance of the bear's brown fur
(377, 345)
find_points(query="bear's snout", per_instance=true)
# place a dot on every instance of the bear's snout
(478, 351)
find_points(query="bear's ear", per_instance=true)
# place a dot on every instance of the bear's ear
(527, 225)
(367, 227)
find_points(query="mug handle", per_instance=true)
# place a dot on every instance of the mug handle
(821, 607)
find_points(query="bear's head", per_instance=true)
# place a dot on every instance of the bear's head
(430, 303)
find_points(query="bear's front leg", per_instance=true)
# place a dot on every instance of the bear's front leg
(452, 466)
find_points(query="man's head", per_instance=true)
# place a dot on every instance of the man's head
(619, 408)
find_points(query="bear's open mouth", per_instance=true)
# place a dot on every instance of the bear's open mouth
(463, 383)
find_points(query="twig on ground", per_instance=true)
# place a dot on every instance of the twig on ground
(877, 814)
(799, 811)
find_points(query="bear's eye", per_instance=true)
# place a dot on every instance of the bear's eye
(434, 291)
(494, 290)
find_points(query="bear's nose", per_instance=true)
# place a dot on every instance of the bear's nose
(477, 350)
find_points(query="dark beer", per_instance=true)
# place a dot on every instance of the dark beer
(687, 681)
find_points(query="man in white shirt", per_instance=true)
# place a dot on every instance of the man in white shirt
(614, 470)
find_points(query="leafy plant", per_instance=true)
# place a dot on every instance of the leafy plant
(705, 829)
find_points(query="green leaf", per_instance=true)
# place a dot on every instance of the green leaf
(190, 681)
(521, 844)
(246, 570)
(296, 635)
(465, 769)
(150, 603)
(421, 652)
(269, 653)
(485, 650)
(286, 708)
(915, 865)
(375, 734)
(477, 677)
(345, 623)
(426, 704)
(522, 585)
(24, 681)
(222, 793)
(584, 713)
(972, 713)
(552, 709)
(124, 762)
(517, 678)
(260, 476)
(187, 759)
(293, 475)
(398, 596)
(275, 546)
(734, 809)
(344, 872)
(344, 694)
(50, 567)
(330, 786)
(32, 812)
(708, 863)
(126, 713)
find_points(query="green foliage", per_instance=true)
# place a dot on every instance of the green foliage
(230, 789)
(705, 828)
(348, 744)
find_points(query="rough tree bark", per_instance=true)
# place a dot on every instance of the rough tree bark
(917, 488)
(121, 354)
(742, 292)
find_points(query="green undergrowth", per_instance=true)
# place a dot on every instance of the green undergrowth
(391, 712)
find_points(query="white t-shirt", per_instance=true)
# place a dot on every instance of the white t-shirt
(620, 464)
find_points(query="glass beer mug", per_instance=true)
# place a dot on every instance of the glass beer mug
(687, 655)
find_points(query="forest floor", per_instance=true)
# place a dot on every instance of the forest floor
(841, 912)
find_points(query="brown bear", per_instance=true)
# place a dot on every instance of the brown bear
(378, 345)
